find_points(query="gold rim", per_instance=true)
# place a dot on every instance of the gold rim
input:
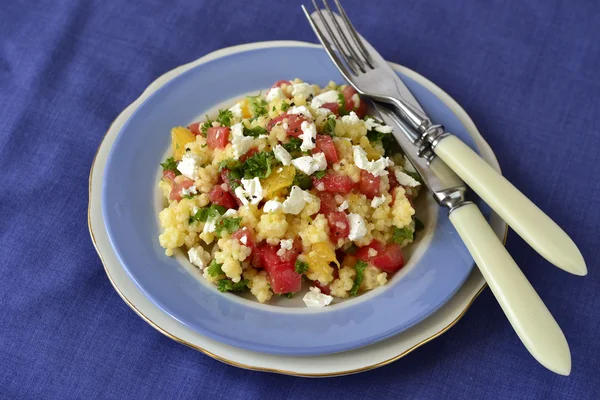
(240, 365)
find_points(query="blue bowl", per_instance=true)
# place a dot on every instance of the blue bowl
(437, 268)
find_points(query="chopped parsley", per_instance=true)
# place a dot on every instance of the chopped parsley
(319, 174)
(259, 165)
(255, 132)
(230, 164)
(302, 180)
(170, 165)
(258, 105)
(204, 127)
(289, 295)
(227, 225)
(329, 127)
(342, 103)
(301, 267)
(400, 235)
(284, 106)
(375, 136)
(225, 117)
(293, 147)
(203, 214)
(214, 269)
(358, 279)
(226, 285)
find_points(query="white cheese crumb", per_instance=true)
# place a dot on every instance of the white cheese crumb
(372, 252)
(314, 298)
(275, 93)
(272, 206)
(351, 119)
(251, 189)
(356, 100)
(383, 129)
(408, 166)
(195, 210)
(210, 225)
(296, 201)
(282, 155)
(320, 186)
(187, 166)
(244, 240)
(358, 228)
(377, 167)
(330, 96)
(343, 206)
(377, 201)
(236, 110)
(371, 124)
(199, 257)
(405, 179)
(303, 89)
(311, 164)
(286, 244)
(240, 143)
(229, 213)
(189, 191)
(308, 136)
(302, 110)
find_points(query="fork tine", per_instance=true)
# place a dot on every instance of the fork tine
(347, 57)
(327, 46)
(354, 34)
(360, 63)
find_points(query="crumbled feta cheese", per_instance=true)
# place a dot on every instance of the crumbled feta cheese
(311, 164)
(405, 179)
(244, 240)
(282, 155)
(275, 93)
(210, 225)
(314, 298)
(320, 186)
(358, 228)
(240, 143)
(286, 244)
(187, 166)
(323, 111)
(308, 136)
(296, 201)
(351, 119)
(377, 201)
(330, 96)
(383, 129)
(262, 136)
(302, 110)
(236, 110)
(189, 191)
(199, 257)
(343, 206)
(272, 206)
(371, 124)
(356, 100)
(229, 213)
(303, 89)
(372, 252)
(408, 166)
(250, 189)
(195, 210)
(377, 167)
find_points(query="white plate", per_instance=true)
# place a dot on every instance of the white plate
(354, 361)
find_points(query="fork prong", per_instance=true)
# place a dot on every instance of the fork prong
(350, 50)
(354, 34)
(347, 57)
(327, 46)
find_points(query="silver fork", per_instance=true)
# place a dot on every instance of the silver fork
(368, 72)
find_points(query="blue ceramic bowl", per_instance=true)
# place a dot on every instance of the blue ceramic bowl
(437, 268)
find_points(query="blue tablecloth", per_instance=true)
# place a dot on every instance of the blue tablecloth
(526, 71)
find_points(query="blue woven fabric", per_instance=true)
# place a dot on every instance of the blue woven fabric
(526, 71)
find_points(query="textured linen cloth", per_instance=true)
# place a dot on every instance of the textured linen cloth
(527, 72)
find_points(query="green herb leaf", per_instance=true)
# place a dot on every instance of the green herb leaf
(301, 267)
(204, 127)
(284, 106)
(375, 136)
(342, 103)
(289, 295)
(227, 225)
(320, 174)
(400, 235)
(203, 214)
(230, 164)
(255, 132)
(214, 269)
(358, 279)
(329, 127)
(259, 165)
(302, 180)
(226, 285)
(170, 165)
(293, 146)
(225, 117)
(258, 105)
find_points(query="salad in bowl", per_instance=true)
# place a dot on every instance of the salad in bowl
(295, 185)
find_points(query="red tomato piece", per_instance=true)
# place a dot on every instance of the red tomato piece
(328, 203)
(333, 107)
(252, 151)
(392, 179)
(294, 123)
(338, 225)
(369, 184)
(282, 276)
(275, 121)
(245, 237)
(390, 259)
(325, 289)
(325, 145)
(169, 175)
(227, 181)
(217, 138)
(176, 190)
(363, 252)
(218, 195)
(280, 83)
(335, 183)
(361, 109)
(195, 128)
(292, 254)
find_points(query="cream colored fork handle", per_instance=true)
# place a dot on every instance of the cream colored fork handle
(526, 312)
(535, 227)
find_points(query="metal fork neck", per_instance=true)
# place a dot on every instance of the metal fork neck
(430, 134)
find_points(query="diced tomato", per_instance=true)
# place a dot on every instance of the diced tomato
(333, 107)
(280, 83)
(176, 190)
(325, 145)
(348, 93)
(361, 111)
(275, 121)
(363, 252)
(338, 225)
(325, 289)
(245, 237)
(252, 151)
(390, 259)
(392, 179)
(292, 254)
(195, 128)
(335, 183)
(217, 138)
(282, 276)
(227, 181)
(328, 203)
(369, 184)
(169, 175)
(222, 197)
(294, 123)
